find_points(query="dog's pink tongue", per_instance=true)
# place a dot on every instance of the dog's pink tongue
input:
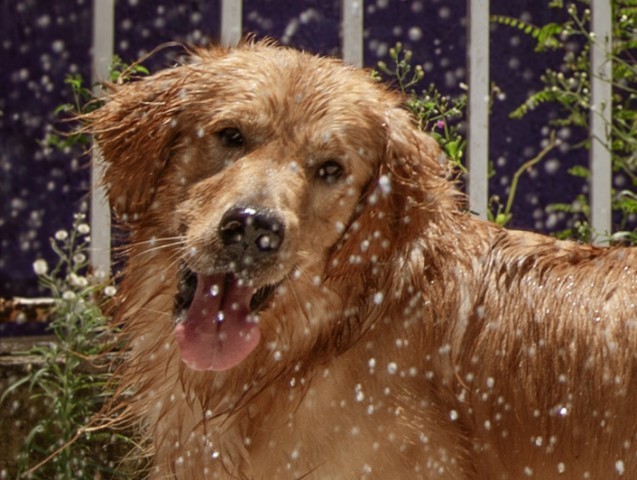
(218, 332)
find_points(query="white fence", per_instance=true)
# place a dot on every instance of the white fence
(478, 115)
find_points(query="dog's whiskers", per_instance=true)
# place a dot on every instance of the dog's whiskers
(155, 240)
(159, 244)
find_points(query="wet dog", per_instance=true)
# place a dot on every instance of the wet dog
(306, 296)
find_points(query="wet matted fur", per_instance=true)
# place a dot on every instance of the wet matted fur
(305, 295)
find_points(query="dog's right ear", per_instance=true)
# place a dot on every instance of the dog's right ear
(135, 131)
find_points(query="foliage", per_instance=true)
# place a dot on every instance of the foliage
(441, 116)
(71, 376)
(568, 89)
(85, 100)
(501, 214)
(437, 114)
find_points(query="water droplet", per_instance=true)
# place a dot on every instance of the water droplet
(372, 364)
(392, 368)
(415, 34)
(358, 389)
(385, 184)
(214, 290)
(619, 467)
(453, 415)
(266, 243)
(378, 298)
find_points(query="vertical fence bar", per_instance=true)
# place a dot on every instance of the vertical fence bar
(103, 39)
(352, 31)
(478, 111)
(231, 22)
(601, 117)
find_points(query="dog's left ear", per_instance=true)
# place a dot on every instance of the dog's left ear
(410, 191)
(135, 131)
(413, 186)
(415, 163)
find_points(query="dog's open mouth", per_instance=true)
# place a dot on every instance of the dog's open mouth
(218, 319)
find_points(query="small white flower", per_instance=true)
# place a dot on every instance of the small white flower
(40, 267)
(83, 228)
(78, 281)
(110, 291)
(61, 235)
(79, 258)
(68, 295)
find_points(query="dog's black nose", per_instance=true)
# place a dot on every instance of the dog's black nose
(251, 231)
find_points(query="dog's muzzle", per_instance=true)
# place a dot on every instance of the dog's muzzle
(218, 311)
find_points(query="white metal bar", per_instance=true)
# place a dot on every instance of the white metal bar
(478, 108)
(601, 117)
(352, 31)
(103, 38)
(231, 22)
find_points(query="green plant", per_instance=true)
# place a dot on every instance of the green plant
(501, 214)
(71, 375)
(568, 89)
(437, 114)
(84, 100)
(440, 116)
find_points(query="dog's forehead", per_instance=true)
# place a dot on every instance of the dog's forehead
(284, 78)
(291, 94)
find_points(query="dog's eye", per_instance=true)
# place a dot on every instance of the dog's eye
(231, 138)
(330, 171)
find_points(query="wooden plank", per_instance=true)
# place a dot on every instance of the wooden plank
(352, 31)
(231, 22)
(600, 119)
(478, 108)
(100, 215)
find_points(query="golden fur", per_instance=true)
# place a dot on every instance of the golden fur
(405, 339)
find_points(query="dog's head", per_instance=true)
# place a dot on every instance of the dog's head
(269, 166)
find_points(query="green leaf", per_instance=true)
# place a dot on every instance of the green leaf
(579, 171)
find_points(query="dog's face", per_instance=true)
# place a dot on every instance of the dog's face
(271, 174)
(259, 160)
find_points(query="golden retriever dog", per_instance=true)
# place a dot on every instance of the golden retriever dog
(307, 297)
